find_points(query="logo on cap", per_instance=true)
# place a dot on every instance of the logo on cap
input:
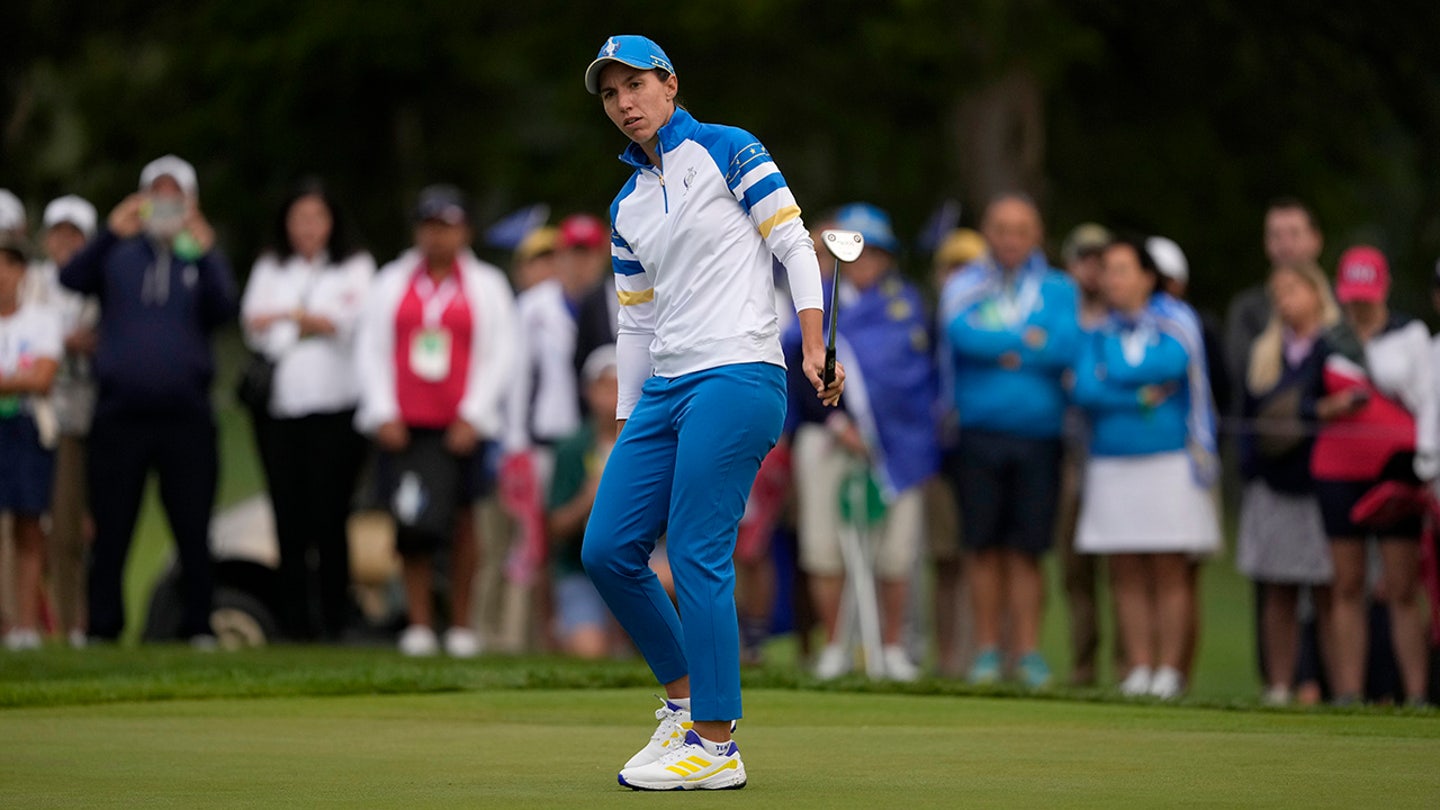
(1361, 274)
(611, 46)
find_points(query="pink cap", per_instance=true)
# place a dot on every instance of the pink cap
(583, 231)
(1364, 275)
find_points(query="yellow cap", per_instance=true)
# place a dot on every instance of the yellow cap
(539, 241)
(960, 247)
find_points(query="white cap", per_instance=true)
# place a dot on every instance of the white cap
(12, 211)
(1169, 258)
(601, 360)
(170, 166)
(72, 209)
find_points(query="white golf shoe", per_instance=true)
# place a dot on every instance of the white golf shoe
(418, 641)
(1167, 683)
(835, 660)
(690, 765)
(461, 642)
(1137, 683)
(898, 666)
(674, 722)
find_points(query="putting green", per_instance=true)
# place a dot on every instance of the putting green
(541, 748)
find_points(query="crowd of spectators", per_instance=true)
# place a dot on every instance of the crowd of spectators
(1007, 408)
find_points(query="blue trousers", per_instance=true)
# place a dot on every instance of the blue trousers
(683, 467)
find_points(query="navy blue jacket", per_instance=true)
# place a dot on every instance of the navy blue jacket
(154, 356)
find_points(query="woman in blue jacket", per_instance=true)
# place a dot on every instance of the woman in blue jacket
(1148, 500)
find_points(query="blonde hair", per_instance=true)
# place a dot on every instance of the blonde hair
(1268, 351)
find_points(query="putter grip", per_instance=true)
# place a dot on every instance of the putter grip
(828, 376)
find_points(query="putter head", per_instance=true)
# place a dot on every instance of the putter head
(845, 246)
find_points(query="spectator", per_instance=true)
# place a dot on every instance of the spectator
(300, 311)
(12, 213)
(954, 620)
(163, 290)
(70, 221)
(1371, 389)
(887, 429)
(598, 311)
(1175, 282)
(1282, 539)
(30, 352)
(583, 622)
(1148, 500)
(1011, 322)
(1083, 252)
(545, 399)
(1292, 239)
(534, 260)
(436, 348)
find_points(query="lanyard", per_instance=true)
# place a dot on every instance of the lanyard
(434, 300)
(1015, 309)
(1134, 341)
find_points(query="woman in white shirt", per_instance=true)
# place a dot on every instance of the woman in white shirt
(300, 310)
(30, 350)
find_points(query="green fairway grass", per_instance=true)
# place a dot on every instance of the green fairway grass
(561, 748)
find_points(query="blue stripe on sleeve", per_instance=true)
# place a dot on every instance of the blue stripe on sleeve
(627, 267)
(761, 190)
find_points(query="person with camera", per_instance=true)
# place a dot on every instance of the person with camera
(163, 290)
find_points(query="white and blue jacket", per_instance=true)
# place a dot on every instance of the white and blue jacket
(1162, 347)
(691, 243)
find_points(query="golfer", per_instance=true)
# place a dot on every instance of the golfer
(701, 396)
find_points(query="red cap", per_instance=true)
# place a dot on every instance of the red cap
(1364, 275)
(583, 231)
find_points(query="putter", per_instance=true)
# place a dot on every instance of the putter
(845, 246)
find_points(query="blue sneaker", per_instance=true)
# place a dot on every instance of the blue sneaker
(986, 669)
(1034, 672)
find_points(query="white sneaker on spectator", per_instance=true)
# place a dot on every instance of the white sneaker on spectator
(833, 662)
(204, 642)
(461, 642)
(1276, 696)
(1137, 683)
(1167, 683)
(77, 639)
(898, 666)
(418, 641)
(20, 639)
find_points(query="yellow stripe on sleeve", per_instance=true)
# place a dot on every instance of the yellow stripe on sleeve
(781, 217)
(630, 299)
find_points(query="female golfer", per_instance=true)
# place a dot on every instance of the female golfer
(702, 397)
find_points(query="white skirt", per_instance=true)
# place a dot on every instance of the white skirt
(1145, 505)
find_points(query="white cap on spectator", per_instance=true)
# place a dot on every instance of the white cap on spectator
(72, 209)
(1169, 258)
(600, 361)
(12, 211)
(173, 167)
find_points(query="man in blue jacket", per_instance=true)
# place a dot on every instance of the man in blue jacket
(1010, 326)
(163, 290)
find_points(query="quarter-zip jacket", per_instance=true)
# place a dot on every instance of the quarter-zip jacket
(692, 242)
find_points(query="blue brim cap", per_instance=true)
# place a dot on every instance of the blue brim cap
(636, 51)
(871, 222)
